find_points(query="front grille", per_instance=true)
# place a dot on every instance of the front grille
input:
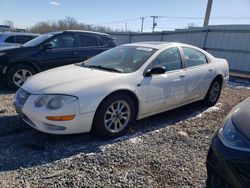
(21, 97)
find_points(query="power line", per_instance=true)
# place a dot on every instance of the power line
(175, 17)
(118, 21)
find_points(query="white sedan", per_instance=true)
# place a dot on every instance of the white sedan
(107, 93)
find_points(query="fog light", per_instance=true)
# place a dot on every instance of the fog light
(60, 118)
(54, 127)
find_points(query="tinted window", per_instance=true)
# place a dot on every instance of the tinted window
(194, 57)
(105, 41)
(10, 39)
(170, 59)
(63, 41)
(23, 39)
(87, 41)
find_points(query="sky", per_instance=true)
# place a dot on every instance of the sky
(117, 13)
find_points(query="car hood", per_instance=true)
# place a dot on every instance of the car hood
(67, 80)
(5, 48)
(241, 118)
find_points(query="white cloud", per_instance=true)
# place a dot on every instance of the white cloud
(54, 3)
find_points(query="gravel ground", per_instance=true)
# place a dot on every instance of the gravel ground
(165, 150)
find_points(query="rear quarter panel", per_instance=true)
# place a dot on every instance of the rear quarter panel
(222, 68)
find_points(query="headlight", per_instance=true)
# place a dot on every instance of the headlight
(54, 101)
(231, 137)
(41, 101)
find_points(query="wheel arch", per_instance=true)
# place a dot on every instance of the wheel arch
(130, 93)
(7, 68)
(219, 77)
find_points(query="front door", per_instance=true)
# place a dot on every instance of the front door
(164, 91)
(63, 52)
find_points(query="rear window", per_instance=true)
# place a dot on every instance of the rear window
(23, 39)
(87, 41)
(10, 39)
(106, 41)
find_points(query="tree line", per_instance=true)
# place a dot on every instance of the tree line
(67, 23)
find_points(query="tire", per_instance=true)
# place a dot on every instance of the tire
(117, 121)
(23, 71)
(213, 93)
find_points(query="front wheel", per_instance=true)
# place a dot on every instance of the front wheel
(213, 93)
(114, 116)
(18, 74)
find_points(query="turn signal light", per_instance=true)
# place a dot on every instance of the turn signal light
(60, 118)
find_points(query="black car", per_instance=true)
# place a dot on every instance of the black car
(48, 51)
(228, 160)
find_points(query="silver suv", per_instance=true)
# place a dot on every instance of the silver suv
(13, 38)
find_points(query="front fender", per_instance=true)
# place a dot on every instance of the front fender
(91, 98)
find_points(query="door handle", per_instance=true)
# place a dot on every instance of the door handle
(182, 76)
(210, 70)
(73, 53)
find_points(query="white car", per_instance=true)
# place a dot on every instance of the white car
(107, 93)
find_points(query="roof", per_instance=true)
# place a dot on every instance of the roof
(152, 44)
(78, 31)
(89, 32)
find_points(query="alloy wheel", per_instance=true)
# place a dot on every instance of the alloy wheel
(117, 116)
(21, 76)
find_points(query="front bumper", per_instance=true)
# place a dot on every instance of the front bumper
(36, 118)
(227, 166)
(2, 81)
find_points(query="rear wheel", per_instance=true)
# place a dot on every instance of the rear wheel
(18, 74)
(213, 93)
(114, 116)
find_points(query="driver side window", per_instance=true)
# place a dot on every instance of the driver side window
(170, 59)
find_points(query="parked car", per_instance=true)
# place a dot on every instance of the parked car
(15, 38)
(110, 91)
(229, 155)
(50, 50)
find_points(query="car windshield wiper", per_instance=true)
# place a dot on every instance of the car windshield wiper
(103, 68)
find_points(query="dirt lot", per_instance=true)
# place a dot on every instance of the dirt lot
(166, 150)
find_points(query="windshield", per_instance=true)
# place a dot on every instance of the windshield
(38, 40)
(124, 59)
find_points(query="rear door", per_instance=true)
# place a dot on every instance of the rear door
(199, 73)
(63, 52)
(89, 45)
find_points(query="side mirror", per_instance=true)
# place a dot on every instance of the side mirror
(155, 70)
(47, 46)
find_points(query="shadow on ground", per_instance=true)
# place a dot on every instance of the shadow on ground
(22, 146)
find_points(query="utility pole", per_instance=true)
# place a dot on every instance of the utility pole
(154, 23)
(142, 21)
(208, 11)
(126, 25)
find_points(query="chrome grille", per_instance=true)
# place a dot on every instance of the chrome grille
(21, 97)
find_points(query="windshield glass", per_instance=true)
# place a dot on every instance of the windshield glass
(38, 40)
(124, 59)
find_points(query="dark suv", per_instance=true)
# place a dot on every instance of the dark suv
(48, 51)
